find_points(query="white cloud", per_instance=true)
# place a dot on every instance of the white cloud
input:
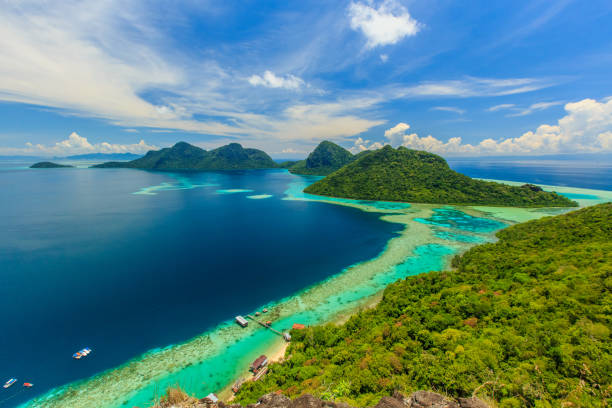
(76, 144)
(472, 86)
(383, 25)
(501, 107)
(535, 107)
(449, 109)
(270, 80)
(586, 128)
(384, 58)
(400, 128)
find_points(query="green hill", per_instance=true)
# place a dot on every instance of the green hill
(48, 165)
(525, 321)
(183, 156)
(415, 176)
(325, 159)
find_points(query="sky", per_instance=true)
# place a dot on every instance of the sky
(476, 78)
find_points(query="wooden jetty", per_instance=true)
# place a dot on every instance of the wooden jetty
(267, 326)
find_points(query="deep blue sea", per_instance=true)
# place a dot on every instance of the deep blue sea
(85, 262)
(595, 173)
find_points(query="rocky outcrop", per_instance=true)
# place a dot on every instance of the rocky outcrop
(419, 399)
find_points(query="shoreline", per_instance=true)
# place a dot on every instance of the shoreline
(416, 249)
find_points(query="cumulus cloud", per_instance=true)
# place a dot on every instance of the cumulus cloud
(386, 24)
(270, 80)
(76, 144)
(586, 128)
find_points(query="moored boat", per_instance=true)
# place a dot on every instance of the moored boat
(9, 382)
(28, 385)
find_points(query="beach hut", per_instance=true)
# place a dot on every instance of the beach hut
(298, 326)
(210, 399)
(260, 362)
(242, 321)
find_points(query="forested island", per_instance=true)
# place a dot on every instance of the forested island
(183, 156)
(524, 321)
(326, 158)
(414, 176)
(48, 165)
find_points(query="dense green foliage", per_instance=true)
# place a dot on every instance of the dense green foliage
(325, 159)
(525, 321)
(414, 176)
(287, 164)
(48, 165)
(183, 156)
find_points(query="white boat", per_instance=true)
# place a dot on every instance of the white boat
(10, 382)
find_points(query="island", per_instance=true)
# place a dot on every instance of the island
(326, 158)
(184, 156)
(414, 176)
(524, 321)
(49, 165)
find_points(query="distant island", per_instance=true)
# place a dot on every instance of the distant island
(325, 159)
(183, 156)
(407, 175)
(48, 165)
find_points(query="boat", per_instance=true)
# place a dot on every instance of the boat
(10, 382)
(81, 353)
(28, 385)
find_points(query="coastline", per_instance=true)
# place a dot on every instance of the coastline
(418, 248)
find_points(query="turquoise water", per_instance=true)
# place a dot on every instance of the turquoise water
(452, 218)
(212, 360)
(213, 357)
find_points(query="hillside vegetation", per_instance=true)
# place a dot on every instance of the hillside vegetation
(525, 321)
(415, 176)
(326, 158)
(183, 156)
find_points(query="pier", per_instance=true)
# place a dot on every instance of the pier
(267, 326)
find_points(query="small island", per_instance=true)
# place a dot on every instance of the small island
(414, 176)
(49, 165)
(183, 156)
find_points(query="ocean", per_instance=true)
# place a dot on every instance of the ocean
(595, 173)
(85, 262)
(149, 269)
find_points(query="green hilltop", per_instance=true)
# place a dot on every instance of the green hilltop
(326, 158)
(525, 321)
(415, 176)
(183, 156)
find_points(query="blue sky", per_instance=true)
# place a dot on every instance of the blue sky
(456, 78)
